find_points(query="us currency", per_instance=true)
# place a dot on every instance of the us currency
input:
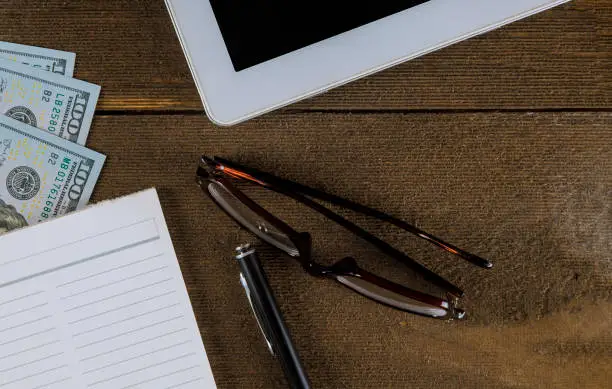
(55, 61)
(41, 175)
(59, 105)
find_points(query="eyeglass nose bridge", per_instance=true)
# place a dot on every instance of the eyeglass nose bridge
(303, 242)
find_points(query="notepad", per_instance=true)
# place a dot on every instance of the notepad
(96, 300)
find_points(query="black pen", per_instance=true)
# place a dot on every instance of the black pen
(269, 317)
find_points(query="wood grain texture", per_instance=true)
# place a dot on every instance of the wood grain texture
(532, 192)
(555, 60)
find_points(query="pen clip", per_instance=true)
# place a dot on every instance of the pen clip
(248, 293)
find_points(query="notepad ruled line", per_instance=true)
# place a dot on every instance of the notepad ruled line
(136, 357)
(81, 261)
(78, 241)
(32, 362)
(122, 294)
(109, 270)
(27, 336)
(129, 332)
(160, 377)
(122, 307)
(185, 383)
(29, 349)
(21, 298)
(133, 344)
(52, 383)
(116, 282)
(142, 369)
(24, 310)
(32, 376)
(125, 320)
(24, 324)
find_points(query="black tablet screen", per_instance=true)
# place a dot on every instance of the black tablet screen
(256, 31)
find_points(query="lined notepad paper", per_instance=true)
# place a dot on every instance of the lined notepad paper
(96, 300)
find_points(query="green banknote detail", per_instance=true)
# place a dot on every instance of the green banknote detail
(42, 176)
(59, 105)
(55, 61)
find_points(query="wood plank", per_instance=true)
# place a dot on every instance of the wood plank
(558, 59)
(532, 192)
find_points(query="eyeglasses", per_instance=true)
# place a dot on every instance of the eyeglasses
(213, 176)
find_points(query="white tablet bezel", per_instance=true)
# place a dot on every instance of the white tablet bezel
(230, 97)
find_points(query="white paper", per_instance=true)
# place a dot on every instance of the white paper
(96, 300)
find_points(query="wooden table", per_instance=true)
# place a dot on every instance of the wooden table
(501, 144)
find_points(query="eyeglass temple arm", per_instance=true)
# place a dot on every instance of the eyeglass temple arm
(272, 181)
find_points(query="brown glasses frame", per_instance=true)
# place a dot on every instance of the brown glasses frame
(219, 170)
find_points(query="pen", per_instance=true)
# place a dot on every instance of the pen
(269, 317)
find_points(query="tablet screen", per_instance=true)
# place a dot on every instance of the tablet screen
(256, 31)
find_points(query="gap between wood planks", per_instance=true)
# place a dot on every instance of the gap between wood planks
(187, 112)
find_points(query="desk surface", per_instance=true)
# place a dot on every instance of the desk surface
(501, 144)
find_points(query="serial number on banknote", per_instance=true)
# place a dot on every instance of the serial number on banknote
(62, 106)
(41, 176)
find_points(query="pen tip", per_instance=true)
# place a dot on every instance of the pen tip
(243, 248)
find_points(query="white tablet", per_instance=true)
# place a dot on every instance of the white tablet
(249, 57)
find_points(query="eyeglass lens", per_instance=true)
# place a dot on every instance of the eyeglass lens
(391, 298)
(250, 219)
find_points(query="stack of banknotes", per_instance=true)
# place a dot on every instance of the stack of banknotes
(45, 117)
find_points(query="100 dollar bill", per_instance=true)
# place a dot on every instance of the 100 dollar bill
(55, 61)
(60, 105)
(42, 176)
